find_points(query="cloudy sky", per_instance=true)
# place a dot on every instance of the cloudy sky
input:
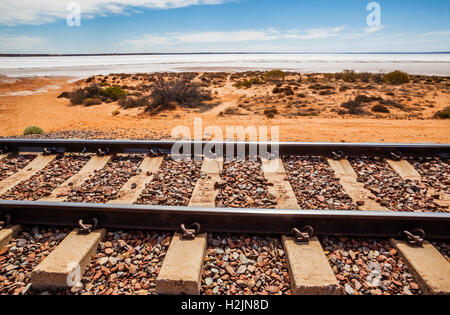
(107, 26)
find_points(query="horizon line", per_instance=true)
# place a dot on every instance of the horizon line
(224, 53)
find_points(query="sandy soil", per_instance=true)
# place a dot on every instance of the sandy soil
(53, 114)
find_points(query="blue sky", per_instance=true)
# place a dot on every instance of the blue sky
(40, 26)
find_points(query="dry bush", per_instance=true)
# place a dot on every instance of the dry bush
(443, 114)
(396, 77)
(380, 109)
(167, 95)
(78, 96)
(353, 108)
(92, 101)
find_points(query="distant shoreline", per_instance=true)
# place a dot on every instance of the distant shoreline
(227, 53)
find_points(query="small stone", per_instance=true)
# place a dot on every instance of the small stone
(208, 281)
(348, 289)
(241, 269)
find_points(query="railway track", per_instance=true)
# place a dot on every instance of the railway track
(96, 217)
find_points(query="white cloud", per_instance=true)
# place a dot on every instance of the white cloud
(36, 12)
(373, 29)
(151, 41)
(11, 44)
(316, 33)
(437, 33)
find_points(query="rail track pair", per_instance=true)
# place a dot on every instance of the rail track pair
(414, 226)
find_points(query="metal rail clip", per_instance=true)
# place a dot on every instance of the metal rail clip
(102, 151)
(4, 149)
(396, 156)
(5, 222)
(87, 228)
(415, 238)
(337, 155)
(190, 234)
(49, 151)
(303, 235)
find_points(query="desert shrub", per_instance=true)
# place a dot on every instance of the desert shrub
(33, 130)
(347, 76)
(271, 112)
(365, 76)
(363, 99)
(168, 94)
(317, 86)
(247, 83)
(396, 77)
(232, 111)
(78, 96)
(379, 108)
(92, 101)
(64, 95)
(344, 88)
(288, 91)
(277, 90)
(443, 114)
(115, 112)
(275, 75)
(353, 108)
(113, 92)
(392, 104)
(133, 101)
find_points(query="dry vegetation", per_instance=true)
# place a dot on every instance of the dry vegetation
(272, 94)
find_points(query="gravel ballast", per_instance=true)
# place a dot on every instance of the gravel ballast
(369, 267)
(245, 265)
(390, 190)
(23, 254)
(104, 185)
(243, 185)
(435, 172)
(174, 183)
(315, 184)
(127, 263)
(49, 178)
(13, 164)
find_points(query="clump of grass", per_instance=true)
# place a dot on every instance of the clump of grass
(113, 92)
(392, 104)
(33, 130)
(271, 112)
(133, 101)
(396, 77)
(287, 90)
(347, 76)
(275, 75)
(247, 83)
(443, 114)
(317, 87)
(367, 99)
(379, 108)
(92, 101)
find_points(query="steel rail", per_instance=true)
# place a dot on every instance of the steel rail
(259, 221)
(197, 147)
